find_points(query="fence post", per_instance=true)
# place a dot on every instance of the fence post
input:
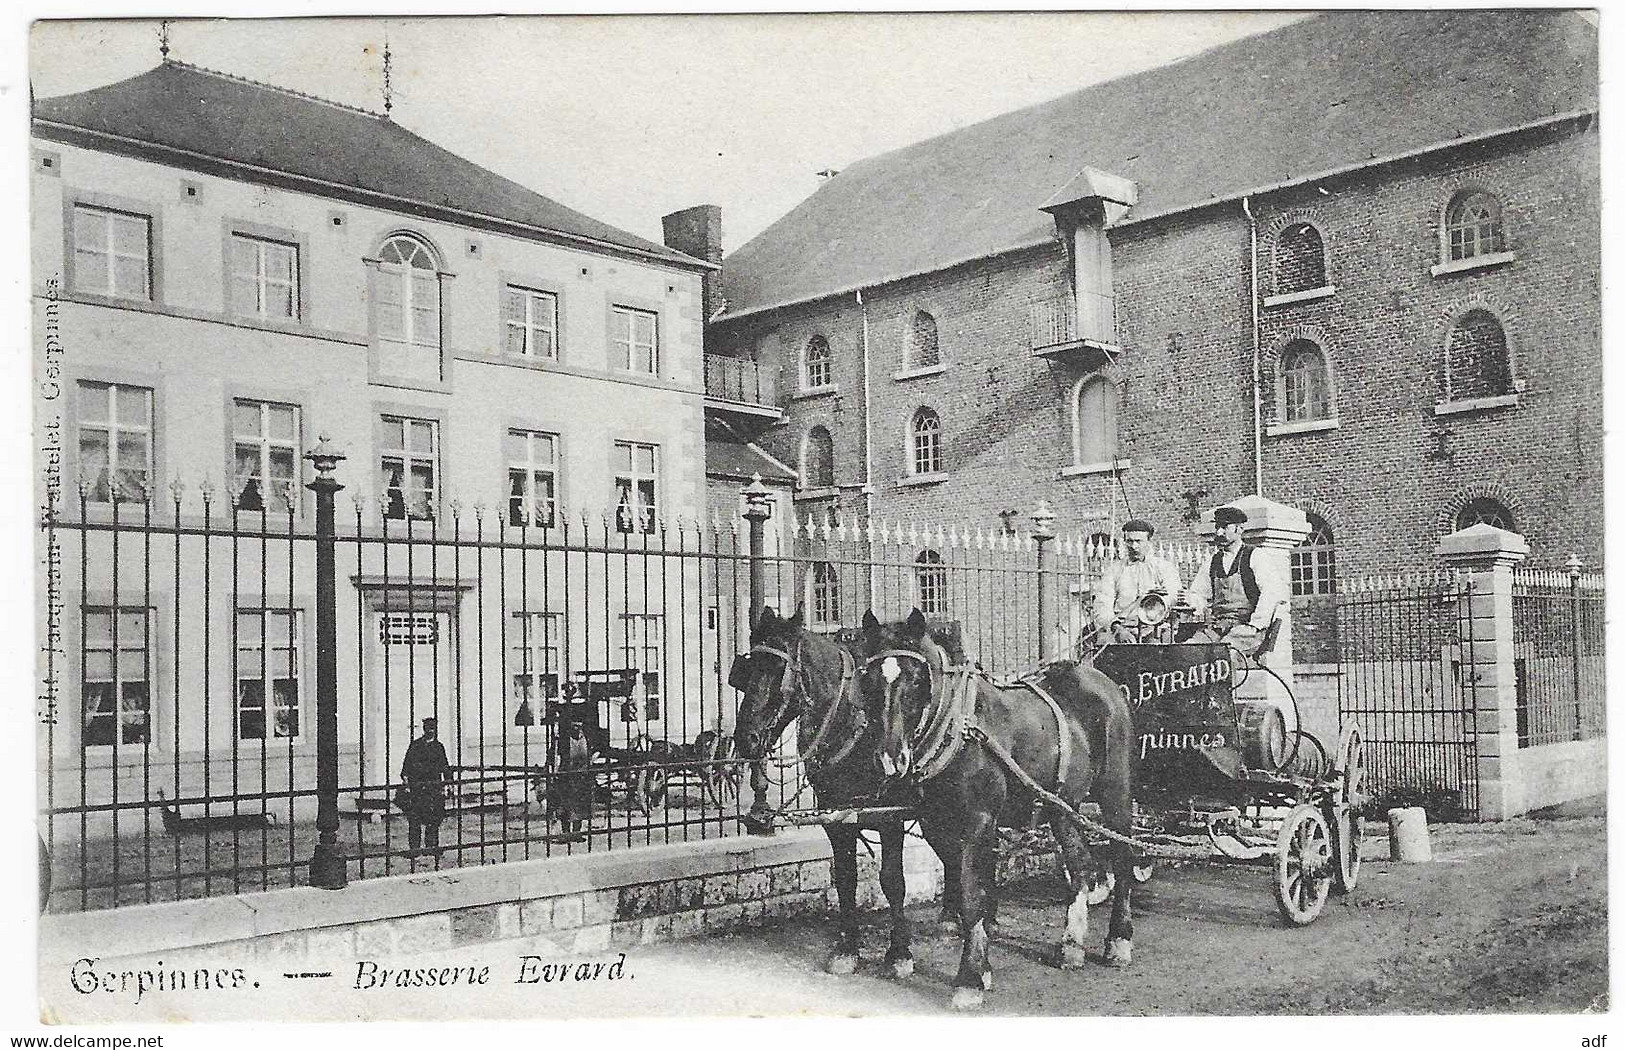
(758, 508)
(1043, 520)
(1574, 566)
(327, 867)
(1485, 555)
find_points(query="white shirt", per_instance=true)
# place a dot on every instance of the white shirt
(1272, 590)
(1123, 585)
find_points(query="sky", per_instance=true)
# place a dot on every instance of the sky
(629, 117)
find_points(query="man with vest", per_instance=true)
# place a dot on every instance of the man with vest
(1125, 585)
(1240, 598)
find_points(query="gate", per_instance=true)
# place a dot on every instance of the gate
(1400, 681)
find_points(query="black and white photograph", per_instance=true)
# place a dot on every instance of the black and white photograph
(1076, 514)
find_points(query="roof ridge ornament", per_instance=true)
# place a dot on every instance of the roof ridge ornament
(163, 40)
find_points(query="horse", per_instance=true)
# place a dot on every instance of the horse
(791, 674)
(1067, 727)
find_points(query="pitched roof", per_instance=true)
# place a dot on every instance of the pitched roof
(1311, 97)
(727, 455)
(225, 118)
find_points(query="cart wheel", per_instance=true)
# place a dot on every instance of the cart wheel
(1143, 872)
(650, 788)
(1303, 865)
(1346, 816)
(1101, 884)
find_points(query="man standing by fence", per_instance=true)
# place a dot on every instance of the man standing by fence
(424, 775)
(1126, 584)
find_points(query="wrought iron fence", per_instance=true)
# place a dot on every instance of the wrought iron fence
(734, 379)
(1402, 683)
(1557, 634)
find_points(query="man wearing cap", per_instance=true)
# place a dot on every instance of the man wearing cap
(424, 775)
(1126, 584)
(1239, 598)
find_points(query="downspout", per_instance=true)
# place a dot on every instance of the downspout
(1258, 406)
(868, 442)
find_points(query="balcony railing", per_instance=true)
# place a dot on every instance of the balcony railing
(1056, 322)
(734, 379)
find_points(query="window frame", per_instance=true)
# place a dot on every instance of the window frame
(808, 443)
(1312, 566)
(826, 363)
(932, 599)
(295, 639)
(1277, 258)
(1505, 512)
(554, 468)
(266, 442)
(914, 359)
(387, 272)
(1112, 445)
(530, 293)
(382, 415)
(641, 645)
(1284, 385)
(112, 428)
(632, 477)
(261, 238)
(925, 445)
(622, 360)
(533, 670)
(1449, 395)
(111, 207)
(151, 648)
(824, 595)
(1455, 208)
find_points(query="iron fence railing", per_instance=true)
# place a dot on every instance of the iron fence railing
(1558, 646)
(736, 379)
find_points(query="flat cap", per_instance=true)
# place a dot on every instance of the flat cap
(1223, 516)
(1139, 525)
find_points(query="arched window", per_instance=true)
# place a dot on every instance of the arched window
(931, 576)
(1476, 361)
(1314, 563)
(826, 595)
(1306, 389)
(1300, 259)
(925, 443)
(1472, 226)
(408, 304)
(1485, 510)
(818, 460)
(924, 353)
(816, 368)
(1094, 421)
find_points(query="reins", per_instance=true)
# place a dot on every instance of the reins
(796, 669)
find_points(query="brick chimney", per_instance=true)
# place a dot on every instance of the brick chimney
(697, 231)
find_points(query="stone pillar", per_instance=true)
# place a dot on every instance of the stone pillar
(1275, 529)
(1484, 556)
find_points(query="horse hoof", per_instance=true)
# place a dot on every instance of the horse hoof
(987, 980)
(1119, 952)
(842, 964)
(967, 999)
(1072, 957)
(902, 969)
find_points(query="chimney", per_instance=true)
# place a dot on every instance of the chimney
(697, 231)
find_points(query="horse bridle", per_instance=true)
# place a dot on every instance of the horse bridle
(794, 671)
(937, 675)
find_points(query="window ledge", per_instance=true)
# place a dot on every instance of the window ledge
(1325, 291)
(815, 391)
(826, 492)
(919, 373)
(1078, 470)
(1477, 262)
(923, 479)
(1476, 404)
(1302, 426)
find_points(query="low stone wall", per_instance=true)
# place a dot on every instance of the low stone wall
(1555, 773)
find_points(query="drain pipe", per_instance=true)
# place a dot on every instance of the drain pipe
(868, 443)
(1258, 407)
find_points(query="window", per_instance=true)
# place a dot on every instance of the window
(410, 456)
(1305, 383)
(816, 366)
(1473, 226)
(115, 441)
(1485, 510)
(1094, 425)
(924, 352)
(642, 641)
(818, 460)
(531, 323)
(118, 674)
(533, 463)
(408, 293)
(1300, 259)
(265, 437)
(636, 478)
(826, 595)
(931, 578)
(112, 253)
(536, 650)
(925, 433)
(636, 335)
(264, 278)
(268, 654)
(1476, 360)
(1314, 562)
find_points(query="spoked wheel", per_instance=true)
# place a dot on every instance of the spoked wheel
(1346, 827)
(650, 788)
(1303, 865)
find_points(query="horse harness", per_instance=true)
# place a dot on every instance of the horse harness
(793, 669)
(950, 719)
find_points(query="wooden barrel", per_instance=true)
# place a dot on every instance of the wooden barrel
(1263, 735)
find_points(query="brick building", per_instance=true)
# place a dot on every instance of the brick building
(1390, 219)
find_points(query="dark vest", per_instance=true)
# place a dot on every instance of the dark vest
(1244, 566)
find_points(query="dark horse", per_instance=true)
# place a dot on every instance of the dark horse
(1071, 735)
(794, 674)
